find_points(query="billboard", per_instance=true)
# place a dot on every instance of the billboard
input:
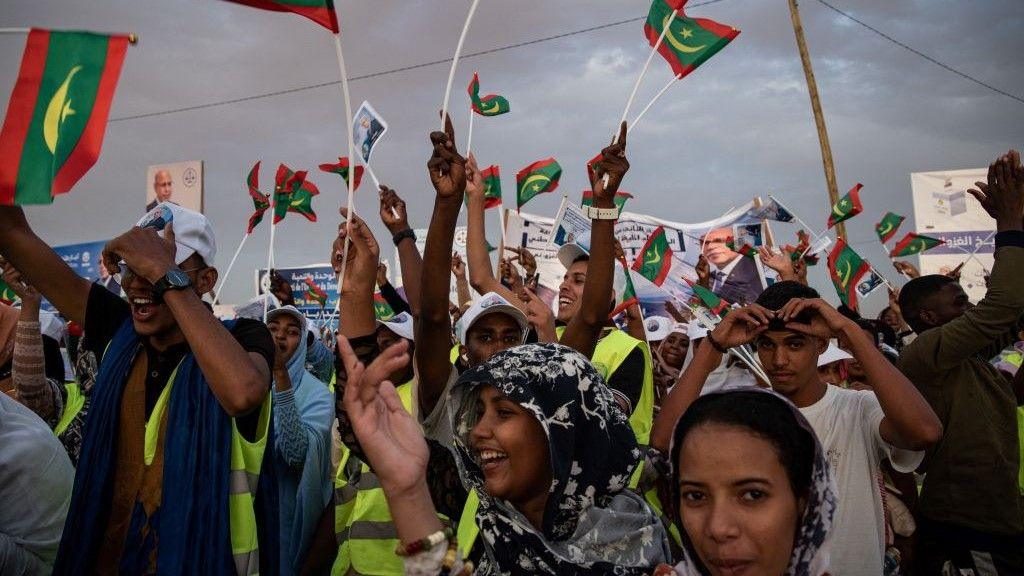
(180, 183)
(943, 209)
(321, 274)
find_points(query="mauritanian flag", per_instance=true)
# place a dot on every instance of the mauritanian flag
(620, 199)
(628, 296)
(689, 42)
(888, 227)
(914, 244)
(319, 11)
(341, 169)
(381, 309)
(846, 268)
(492, 187)
(293, 193)
(260, 201)
(847, 207)
(537, 178)
(57, 114)
(315, 293)
(709, 299)
(7, 295)
(655, 259)
(490, 105)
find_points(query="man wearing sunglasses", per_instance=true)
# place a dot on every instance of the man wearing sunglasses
(178, 404)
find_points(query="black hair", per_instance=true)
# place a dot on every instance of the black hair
(581, 258)
(767, 416)
(777, 295)
(915, 294)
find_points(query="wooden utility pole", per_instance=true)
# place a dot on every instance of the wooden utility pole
(819, 117)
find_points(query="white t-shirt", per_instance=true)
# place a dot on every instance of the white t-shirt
(847, 424)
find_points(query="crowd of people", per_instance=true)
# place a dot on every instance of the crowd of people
(499, 434)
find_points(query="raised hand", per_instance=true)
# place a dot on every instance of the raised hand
(447, 168)
(742, 325)
(144, 251)
(614, 165)
(458, 266)
(382, 274)
(539, 314)
(363, 253)
(779, 261)
(474, 181)
(703, 272)
(525, 259)
(906, 268)
(510, 275)
(390, 437)
(814, 317)
(28, 294)
(392, 211)
(1003, 195)
(281, 288)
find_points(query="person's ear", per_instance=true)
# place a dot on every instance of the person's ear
(206, 280)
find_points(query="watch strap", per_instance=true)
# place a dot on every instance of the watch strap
(595, 213)
(399, 236)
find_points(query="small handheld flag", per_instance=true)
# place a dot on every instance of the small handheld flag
(381, 309)
(689, 42)
(260, 201)
(341, 169)
(847, 207)
(655, 258)
(846, 268)
(57, 115)
(628, 296)
(490, 105)
(537, 178)
(914, 244)
(888, 227)
(319, 11)
(492, 187)
(315, 293)
(293, 193)
(715, 303)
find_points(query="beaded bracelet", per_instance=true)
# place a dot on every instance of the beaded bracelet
(449, 560)
(424, 543)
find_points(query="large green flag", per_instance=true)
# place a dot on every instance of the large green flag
(846, 268)
(689, 42)
(319, 11)
(655, 259)
(888, 227)
(914, 244)
(847, 207)
(537, 178)
(57, 114)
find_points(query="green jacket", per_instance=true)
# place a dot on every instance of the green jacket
(972, 471)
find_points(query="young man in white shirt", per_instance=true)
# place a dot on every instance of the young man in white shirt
(790, 326)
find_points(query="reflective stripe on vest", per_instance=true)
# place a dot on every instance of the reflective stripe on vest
(72, 406)
(364, 529)
(243, 477)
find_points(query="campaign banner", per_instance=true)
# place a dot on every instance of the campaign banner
(944, 209)
(85, 259)
(180, 183)
(321, 274)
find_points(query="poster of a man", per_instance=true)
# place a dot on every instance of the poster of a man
(368, 129)
(180, 183)
(733, 277)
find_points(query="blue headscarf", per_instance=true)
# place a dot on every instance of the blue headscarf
(192, 524)
(303, 493)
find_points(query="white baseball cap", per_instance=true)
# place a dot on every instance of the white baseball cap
(696, 331)
(290, 310)
(490, 303)
(833, 354)
(193, 233)
(570, 251)
(680, 327)
(657, 328)
(400, 324)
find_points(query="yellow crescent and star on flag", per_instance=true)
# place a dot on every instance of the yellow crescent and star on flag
(58, 110)
(535, 183)
(655, 258)
(675, 42)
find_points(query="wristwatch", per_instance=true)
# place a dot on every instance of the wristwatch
(595, 213)
(175, 279)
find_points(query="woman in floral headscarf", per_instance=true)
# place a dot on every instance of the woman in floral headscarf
(540, 438)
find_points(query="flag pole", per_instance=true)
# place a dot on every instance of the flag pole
(819, 116)
(469, 138)
(270, 261)
(657, 97)
(351, 153)
(643, 71)
(455, 61)
(373, 176)
(133, 38)
(501, 226)
(224, 280)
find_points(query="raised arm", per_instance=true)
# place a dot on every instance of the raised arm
(461, 282)
(239, 379)
(355, 308)
(481, 275)
(433, 331)
(584, 329)
(909, 421)
(41, 266)
(739, 327)
(395, 217)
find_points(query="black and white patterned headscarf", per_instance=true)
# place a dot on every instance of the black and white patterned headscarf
(592, 524)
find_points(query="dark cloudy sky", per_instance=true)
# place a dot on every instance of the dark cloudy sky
(738, 127)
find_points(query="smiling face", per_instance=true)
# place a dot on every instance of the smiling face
(489, 335)
(287, 332)
(154, 319)
(791, 360)
(512, 450)
(673, 349)
(570, 292)
(715, 249)
(736, 502)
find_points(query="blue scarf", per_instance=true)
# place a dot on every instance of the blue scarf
(192, 524)
(303, 494)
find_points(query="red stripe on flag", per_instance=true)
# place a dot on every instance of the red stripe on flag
(87, 150)
(720, 30)
(20, 112)
(325, 17)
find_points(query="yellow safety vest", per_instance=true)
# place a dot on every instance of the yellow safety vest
(72, 406)
(609, 354)
(243, 479)
(363, 526)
